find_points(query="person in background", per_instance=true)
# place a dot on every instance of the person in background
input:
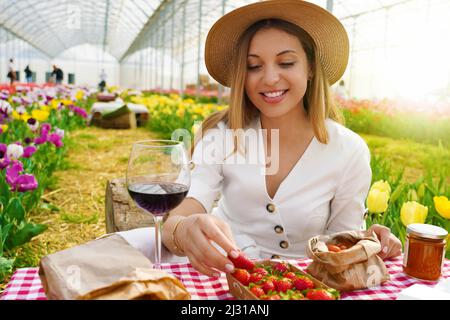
(341, 91)
(58, 74)
(102, 84)
(28, 74)
(11, 72)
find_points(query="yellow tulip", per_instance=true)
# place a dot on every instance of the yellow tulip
(55, 103)
(40, 115)
(79, 95)
(16, 115)
(413, 212)
(67, 102)
(442, 205)
(180, 113)
(25, 117)
(377, 201)
(382, 185)
(4, 128)
(45, 108)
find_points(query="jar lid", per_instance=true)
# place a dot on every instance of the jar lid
(427, 231)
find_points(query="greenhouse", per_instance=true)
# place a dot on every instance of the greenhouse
(116, 118)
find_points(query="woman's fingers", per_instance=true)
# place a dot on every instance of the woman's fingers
(208, 258)
(216, 234)
(200, 267)
(383, 233)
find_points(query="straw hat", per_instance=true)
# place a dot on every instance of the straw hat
(328, 33)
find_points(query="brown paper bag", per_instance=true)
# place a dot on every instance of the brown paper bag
(358, 267)
(106, 268)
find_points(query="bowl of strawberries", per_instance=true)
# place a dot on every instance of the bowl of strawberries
(275, 280)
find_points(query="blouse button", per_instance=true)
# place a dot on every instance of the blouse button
(271, 207)
(284, 244)
(279, 229)
(275, 256)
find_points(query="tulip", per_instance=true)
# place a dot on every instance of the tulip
(382, 185)
(377, 201)
(45, 128)
(442, 205)
(413, 212)
(25, 182)
(56, 140)
(79, 95)
(40, 115)
(14, 151)
(60, 132)
(28, 151)
(3, 148)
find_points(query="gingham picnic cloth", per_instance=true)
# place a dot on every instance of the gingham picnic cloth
(26, 285)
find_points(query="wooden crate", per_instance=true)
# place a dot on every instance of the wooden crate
(121, 212)
(241, 292)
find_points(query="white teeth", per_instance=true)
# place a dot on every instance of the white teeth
(273, 94)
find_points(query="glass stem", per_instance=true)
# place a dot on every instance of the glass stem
(158, 230)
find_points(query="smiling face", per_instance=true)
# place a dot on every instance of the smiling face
(277, 73)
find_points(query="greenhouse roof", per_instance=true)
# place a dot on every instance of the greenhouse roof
(53, 26)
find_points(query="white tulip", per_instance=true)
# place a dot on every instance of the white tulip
(14, 151)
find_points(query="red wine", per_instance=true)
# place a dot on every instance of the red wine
(158, 198)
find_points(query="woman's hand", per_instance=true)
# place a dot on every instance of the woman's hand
(195, 235)
(391, 246)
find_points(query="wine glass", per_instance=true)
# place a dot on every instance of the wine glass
(158, 179)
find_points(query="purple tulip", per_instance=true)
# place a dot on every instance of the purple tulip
(40, 140)
(12, 172)
(3, 148)
(45, 129)
(20, 182)
(56, 140)
(27, 140)
(4, 162)
(28, 151)
(25, 182)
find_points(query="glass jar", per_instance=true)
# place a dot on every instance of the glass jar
(424, 251)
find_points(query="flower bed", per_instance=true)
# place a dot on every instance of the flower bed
(33, 127)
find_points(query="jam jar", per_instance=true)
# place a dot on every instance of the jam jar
(424, 251)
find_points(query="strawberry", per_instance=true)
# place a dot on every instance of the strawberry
(256, 277)
(242, 262)
(283, 285)
(303, 283)
(242, 276)
(261, 271)
(319, 294)
(290, 275)
(257, 291)
(333, 248)
(268, 286)
(281, 267)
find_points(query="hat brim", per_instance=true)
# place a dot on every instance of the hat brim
(327, 32)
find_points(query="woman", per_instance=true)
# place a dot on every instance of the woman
(11, 72)
(315, 173)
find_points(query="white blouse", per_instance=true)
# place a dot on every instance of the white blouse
(324, 193)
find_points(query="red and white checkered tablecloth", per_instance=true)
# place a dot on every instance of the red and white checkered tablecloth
(26, 285)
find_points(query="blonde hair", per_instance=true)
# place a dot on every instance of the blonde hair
(318, 101)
